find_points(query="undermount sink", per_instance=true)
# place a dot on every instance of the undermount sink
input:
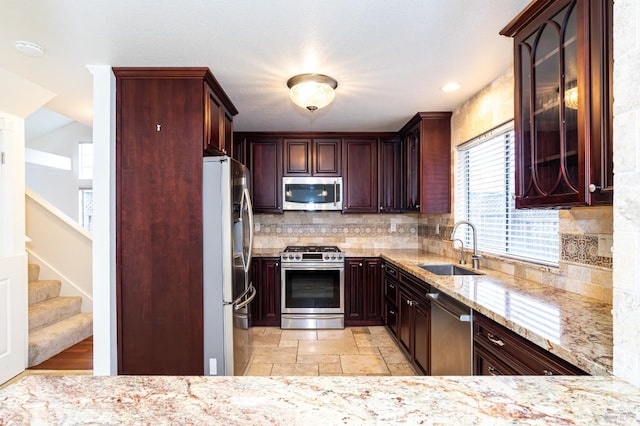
(448, 269)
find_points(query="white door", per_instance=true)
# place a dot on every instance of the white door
(13, 280)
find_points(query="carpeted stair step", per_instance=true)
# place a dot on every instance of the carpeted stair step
(50, 341)
(50, 311)
(42, 290)
(34, 271)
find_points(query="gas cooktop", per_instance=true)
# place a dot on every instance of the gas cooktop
(312, 254)
(312, 249)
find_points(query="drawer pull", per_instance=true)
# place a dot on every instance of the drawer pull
(496, 341)
(492, 371)
(392, 312)
(392, 286)
(547, 372)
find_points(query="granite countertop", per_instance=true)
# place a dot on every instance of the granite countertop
(71, 400)
(576, 328)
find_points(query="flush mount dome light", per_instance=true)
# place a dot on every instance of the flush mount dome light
(312, 91)
(29, 49)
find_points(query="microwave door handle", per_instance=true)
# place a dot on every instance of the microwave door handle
(335, 192)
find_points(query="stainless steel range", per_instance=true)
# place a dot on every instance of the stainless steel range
(312, 287)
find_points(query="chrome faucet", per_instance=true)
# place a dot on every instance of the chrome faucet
(475, 258)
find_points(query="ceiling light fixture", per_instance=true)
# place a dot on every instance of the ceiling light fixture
(451, 87)
(29, 49)
(312, 91)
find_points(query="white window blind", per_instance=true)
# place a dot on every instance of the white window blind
(484, 196)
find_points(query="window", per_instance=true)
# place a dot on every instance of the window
(86, 208)
(485, 188)
(85, 191)
(85, 160)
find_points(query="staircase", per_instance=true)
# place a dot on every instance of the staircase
(55, 323)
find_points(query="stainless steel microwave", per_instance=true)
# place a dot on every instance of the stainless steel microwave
(312, 193)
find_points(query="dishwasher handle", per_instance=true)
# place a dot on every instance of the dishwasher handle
(451, 306)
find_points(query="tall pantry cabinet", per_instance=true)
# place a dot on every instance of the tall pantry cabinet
(164, 125)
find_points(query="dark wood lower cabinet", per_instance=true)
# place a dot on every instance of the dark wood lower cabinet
(498, 350)
(363, 292)
(265, 308)
(486, 364)
(414, 329)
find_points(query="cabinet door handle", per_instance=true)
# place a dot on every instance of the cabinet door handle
(392, 286)
(382, 266)
(547, 372)
(593, 188)
(492, 371)
(392, 312)
(495, 340)
(277, 264)
(360, 264)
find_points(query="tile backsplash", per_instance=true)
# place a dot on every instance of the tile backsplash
(332, 228)
(584, 266)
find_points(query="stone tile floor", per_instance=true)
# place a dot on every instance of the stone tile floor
(354, 351)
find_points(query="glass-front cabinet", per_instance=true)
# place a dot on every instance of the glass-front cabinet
(563, 103)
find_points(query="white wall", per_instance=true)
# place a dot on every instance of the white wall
(104, 228)
(59, 187)
(626, 207)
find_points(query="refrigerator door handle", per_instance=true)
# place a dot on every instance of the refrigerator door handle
(247, 197)
(240, 305)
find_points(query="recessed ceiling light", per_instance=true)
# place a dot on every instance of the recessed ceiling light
(450, 87)
(29, 49)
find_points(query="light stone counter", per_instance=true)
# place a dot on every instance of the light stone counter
(157, 400)
(576, 328)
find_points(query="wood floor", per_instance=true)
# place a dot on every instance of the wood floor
(77, 357)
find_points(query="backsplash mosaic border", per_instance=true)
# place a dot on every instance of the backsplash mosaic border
(582, 249)
(337, 230)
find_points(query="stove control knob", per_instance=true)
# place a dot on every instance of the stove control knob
(297, 257)
(333, 256)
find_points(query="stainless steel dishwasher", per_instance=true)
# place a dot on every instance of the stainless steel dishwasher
(451, 336)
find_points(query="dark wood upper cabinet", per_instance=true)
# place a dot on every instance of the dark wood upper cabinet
(390, 182)
(265, 165)
(161, 123)
(218, 120)
(563, 103)
(411, 157)
(360, 177)
(427, 144)
(297, 157)
(311, 157)
(327, 156)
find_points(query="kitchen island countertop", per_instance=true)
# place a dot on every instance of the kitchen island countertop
(503, 400)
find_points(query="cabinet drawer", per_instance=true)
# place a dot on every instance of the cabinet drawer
(391, 317)
(391, 271)
(391, 290)
(485, 364)
(522, 356)
(417, 286)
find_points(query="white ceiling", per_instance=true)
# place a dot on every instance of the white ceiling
(390, 57)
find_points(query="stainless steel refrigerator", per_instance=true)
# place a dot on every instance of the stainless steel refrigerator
(228, 242)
